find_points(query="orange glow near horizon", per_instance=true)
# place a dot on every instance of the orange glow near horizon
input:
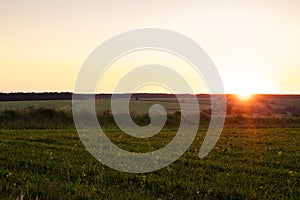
(246, 82)
(244, 96)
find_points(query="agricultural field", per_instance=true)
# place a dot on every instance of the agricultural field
(42, 156)
(245, 164)
(137, 106)
(259, 106)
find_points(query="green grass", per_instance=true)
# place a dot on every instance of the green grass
(245, 164)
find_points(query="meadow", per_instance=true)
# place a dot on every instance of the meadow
(245, 164)
(42, 157)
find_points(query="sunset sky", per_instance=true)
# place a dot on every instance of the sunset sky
(254, 44)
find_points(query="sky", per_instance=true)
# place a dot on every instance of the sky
(255, 44)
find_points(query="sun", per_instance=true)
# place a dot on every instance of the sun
(245, 84)
(244, 96)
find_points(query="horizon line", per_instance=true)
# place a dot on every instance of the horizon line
(120, 93)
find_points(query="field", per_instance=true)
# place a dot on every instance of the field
(246, 163)
(137, 106)
(250, 161)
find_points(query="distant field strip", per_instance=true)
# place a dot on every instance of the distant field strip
(137, 106)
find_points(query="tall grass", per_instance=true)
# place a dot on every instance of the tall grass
(48, 118)
(39, 118)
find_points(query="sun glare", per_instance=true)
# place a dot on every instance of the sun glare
(244, 96)
(246, 83)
